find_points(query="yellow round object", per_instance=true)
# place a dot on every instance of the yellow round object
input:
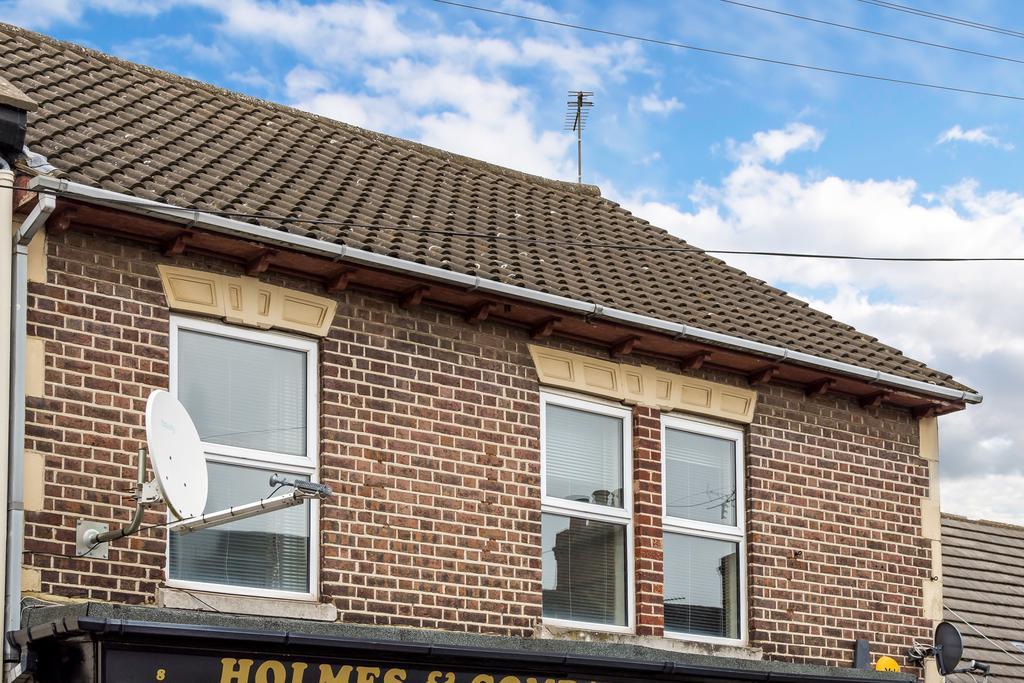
(887, 664)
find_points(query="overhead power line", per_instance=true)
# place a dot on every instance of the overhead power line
(736, 55)
(539, 242)
(990, 641)
(943, 17)
(859, 29)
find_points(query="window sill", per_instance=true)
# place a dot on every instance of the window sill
(549, 631)
(204, 601)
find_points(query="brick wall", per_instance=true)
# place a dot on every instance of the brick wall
(834, 528)
(430, 436)
(648, 553)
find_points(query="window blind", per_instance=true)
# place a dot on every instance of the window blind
(583, 570)
(241, 393)
(701, 586)
(267, 551)
(583, 456)
(700, 477)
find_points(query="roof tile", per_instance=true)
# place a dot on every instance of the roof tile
(132, 129)
(983, 584)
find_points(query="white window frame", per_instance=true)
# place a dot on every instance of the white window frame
(258, 459)
(723, 532)
(601, 513)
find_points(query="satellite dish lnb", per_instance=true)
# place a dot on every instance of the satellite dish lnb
(176, 453)
(949, 647)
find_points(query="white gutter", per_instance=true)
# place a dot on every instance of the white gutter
(340, 252)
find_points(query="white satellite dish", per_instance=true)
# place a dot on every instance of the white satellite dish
(177, 456)
(181, 482)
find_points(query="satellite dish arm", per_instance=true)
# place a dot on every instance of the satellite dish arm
(145, 496)
(302, 491)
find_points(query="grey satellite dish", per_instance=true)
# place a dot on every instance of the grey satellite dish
(949, 647)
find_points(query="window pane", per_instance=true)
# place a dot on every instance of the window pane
(584, 570)
(267, 551)
(241, 393)
(700, 477)
(583, 456)
(702, 586)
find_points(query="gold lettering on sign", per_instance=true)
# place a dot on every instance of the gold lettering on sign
(235, 670)
(277, 671)
(280, 674)
(327, 674)
(367, 674)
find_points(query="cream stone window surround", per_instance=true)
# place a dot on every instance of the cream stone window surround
(643, 384)
(228, 603)
(246, 301)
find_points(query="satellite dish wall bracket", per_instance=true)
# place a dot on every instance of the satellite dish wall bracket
(91, 537)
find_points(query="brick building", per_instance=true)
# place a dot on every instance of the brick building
(563, 444)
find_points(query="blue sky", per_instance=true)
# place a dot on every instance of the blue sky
(725, 153)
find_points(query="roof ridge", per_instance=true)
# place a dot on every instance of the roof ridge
(987, 522)
(419, 147)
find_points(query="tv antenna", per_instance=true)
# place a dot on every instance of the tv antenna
(577, 109)
(180, 481)
(948, 650)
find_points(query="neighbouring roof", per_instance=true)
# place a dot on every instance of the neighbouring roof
(131, 129)
(983, 585)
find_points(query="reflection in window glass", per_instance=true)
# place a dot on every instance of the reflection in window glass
(268, 551)
(702, 586)
(584, 570)
(583, 456)
(700, 477)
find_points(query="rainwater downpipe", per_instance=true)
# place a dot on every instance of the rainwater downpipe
(6, 229)
(45, 205)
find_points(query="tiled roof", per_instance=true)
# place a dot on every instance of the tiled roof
(134, 130)
(983, 584)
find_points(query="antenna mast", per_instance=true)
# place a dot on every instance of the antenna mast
(578, 107)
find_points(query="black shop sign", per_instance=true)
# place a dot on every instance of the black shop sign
(135, 666)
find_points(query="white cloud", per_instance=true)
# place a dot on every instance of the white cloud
(963, 318)
(33, 14)
(775, 145)
(151, 49)
(302, 82)
(988, 497)
(977, 136)
(369, 64)
(649, 159)
(336, 33)
(651, 103)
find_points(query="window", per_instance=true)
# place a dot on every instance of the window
(587, 511)
(252, 396)
(702, 491)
